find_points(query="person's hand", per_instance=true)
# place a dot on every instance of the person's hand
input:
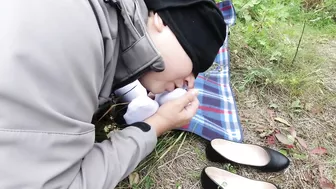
(175, 113)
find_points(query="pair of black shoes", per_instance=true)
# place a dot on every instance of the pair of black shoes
(223, 151)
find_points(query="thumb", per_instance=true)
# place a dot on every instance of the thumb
(187, 98)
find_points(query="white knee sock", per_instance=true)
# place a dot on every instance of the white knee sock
(131, 91)
(141, 106)
(167, 96)
(140, 109)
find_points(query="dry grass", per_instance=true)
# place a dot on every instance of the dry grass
(181, 167)
(180, 157)
(317, 130)
(312, 4)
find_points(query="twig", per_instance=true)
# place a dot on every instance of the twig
(163, 165)
(114, 105)
(164, 154)
(178, 150)
(300, 179)
(150, 170)
(195, 185)
(297, 49)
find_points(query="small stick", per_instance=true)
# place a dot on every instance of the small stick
(164, 154)
(297, 49)
(178, 150)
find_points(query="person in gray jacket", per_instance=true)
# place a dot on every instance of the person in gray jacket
(60, 61)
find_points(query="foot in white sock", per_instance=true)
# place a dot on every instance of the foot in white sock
(131, 91)
(167, 96)
(140, 109)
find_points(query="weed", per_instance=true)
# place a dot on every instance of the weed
(266, 47)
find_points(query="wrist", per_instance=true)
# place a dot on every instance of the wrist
(158, 124)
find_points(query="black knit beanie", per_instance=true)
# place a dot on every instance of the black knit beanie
(198, 26)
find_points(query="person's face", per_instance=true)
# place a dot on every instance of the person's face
(178, 65)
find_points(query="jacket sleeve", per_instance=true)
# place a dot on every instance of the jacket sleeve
(113, 160)
(52, 71)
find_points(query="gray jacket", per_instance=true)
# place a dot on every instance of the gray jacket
(59, 61)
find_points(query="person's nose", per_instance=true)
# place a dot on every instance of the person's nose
(190, 82)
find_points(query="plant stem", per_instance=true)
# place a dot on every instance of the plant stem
(297, 49)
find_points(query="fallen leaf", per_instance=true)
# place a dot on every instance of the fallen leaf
(296, 104)
(300, 156)
(321, 169)
(266, 133)
(297, 111)
(326, 184)
(263, 134)
(271, 140)
(284, 152)
(317, 109)
(329, 135)
(281, 120)
(271, 113)
(291, 138)
(308, 177)
(319, 151)
(275, 106)
(290, 146)
(293, 132)
(261, 128)
(309, 106)
(291, 115)
(302, 142)
(283, 139)
(134, 178)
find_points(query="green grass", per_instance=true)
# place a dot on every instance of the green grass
(265, 39)
(167, 142)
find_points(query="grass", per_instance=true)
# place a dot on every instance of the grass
(265, 45)
(170, 148)
(268, 82)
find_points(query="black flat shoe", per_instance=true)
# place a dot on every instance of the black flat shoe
(215, 178)
(258, 157)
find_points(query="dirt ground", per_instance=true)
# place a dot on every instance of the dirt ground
(182, 166)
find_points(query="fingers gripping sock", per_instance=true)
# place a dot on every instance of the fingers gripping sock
(140, 109)
(167, 96)
(131, 91)
(143, 107)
